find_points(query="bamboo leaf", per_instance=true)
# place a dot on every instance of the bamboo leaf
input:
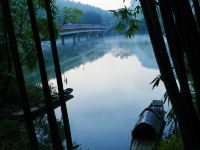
(156, 81)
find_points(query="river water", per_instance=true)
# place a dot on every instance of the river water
(110, 78)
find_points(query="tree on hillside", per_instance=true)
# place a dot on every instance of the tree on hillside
(107, 17)
(91, 17)
(70, 15)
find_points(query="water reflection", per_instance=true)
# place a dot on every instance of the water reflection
(111, 88)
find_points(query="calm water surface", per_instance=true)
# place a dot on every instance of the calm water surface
(110, 78)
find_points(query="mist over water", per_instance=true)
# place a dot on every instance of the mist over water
(110, 77)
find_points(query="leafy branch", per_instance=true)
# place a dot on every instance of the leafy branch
(70, 15)
(128, 22)
(171, 117)
(156, 81)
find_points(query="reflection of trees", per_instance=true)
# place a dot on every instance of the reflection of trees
(73, 56)
(140, 46)
(119, 47)
(122, 52)
(43, 133)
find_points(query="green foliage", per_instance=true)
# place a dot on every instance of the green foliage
(11, 145)
(8, 100)
(34, 92)
(107, 17)
(13, 135)
(174, 142)
(91, 17)
(71, 15)
(23, 31)
(40, 4)
(171, 117)
(8, 124)
(128, 22)
(156, 81)
(166, 97)
(25, 42)
(42, 27)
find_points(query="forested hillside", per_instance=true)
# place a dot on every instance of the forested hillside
(98, 15)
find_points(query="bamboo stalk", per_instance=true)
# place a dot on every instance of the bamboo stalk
(160, 52)
(197, 11)
(58, 76)
(55, 137)
(178, 58)
(190, 40)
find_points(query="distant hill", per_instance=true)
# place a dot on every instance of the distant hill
(95, 15)
(107, 17)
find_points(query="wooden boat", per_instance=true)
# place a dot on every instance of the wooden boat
(149, 126)
(38, 107)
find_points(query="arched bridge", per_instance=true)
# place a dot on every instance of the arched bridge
(77, 30)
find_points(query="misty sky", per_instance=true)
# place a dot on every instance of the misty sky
(106, 4)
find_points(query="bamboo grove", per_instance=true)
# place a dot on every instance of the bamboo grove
(13, 47)
(181, 26)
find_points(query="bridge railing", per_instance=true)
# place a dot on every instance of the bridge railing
(82, 26)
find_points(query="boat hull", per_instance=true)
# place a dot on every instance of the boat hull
(149, 127)
(150, 124)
